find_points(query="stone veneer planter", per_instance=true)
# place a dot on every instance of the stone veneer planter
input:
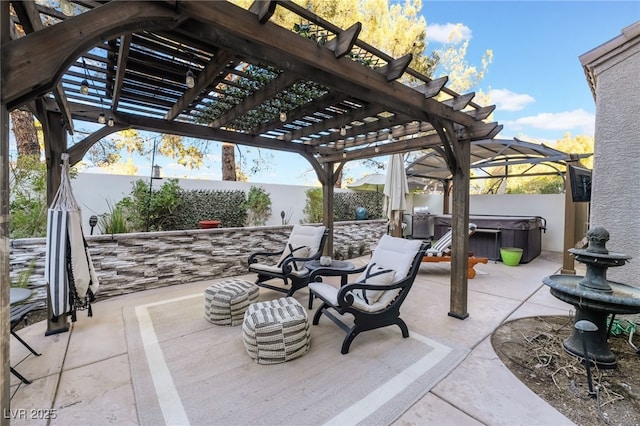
(127, 263)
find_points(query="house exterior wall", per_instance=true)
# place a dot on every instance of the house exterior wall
(615, 199)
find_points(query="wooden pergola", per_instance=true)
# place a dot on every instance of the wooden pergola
(321, 93)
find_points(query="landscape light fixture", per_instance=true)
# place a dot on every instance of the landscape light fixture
(190, 79)
(343, 131)
(586, 326)
(84, 87)
(66, 7)
(283, 115)
(110, 122)
(93, 221)
(101, 118)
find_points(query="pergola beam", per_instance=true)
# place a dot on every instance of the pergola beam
(29, 16)
(71, 37)
(344, 41)
(203, 80)
(228, 26)
(123, 57)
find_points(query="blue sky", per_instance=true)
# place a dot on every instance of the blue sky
(535, 79)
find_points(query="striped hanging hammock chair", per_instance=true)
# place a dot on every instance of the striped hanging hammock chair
(69, 270)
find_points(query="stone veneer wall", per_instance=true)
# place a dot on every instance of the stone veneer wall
(127, 263)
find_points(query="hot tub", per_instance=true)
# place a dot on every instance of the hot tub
(493, 232)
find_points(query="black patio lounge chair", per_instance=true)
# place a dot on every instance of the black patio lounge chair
(305, 244)
(376, 296)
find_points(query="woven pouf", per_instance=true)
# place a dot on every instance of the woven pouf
(225, 302)
(276, 331)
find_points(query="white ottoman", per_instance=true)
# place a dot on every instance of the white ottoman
(226, 301)
(276, 331)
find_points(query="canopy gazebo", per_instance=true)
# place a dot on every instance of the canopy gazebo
(125, 63)
(494, 158)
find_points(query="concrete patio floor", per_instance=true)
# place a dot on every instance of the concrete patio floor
(83, 376)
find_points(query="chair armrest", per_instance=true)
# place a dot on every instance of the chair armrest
(328, 270)
(253, 256)
(287, 265)
(345, 293)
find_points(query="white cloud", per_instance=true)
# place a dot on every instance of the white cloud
(448, 33)
(507, 100)
(578, 119)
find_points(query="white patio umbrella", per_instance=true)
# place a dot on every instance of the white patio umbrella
(395, 192)
(373, 182)
(69, 270)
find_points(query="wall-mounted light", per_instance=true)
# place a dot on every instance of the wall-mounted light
(66, 7)
(110, 122)
(190, 79)
(84, 87)
(101, 118)
(283, 115)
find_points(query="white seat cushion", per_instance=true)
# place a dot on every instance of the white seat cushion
(261, 267)
(305, 235)
(391, 253)
(330, 294)
(396, 253)
(293, 251)
(374, 275)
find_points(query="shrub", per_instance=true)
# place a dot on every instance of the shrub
(258, 206)
(313, 206)
(114, 222)
(27, 192)
(151, 210)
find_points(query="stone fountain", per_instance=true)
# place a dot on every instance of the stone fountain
(595, 297)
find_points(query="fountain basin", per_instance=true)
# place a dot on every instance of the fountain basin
(593, 306)
(624, 299)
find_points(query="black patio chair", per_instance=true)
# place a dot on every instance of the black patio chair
(305, 243)
(376, 296)
(18, 314)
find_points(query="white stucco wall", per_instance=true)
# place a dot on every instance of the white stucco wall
(615, 200)
(95, 192)
(548, 206)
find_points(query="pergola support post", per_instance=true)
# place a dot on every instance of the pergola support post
(55, 144)
(327, 204)
(460, 233)
(4, 233)
(576, 217)
(446, 189)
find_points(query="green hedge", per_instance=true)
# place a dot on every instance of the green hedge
(345, 204)
(226, 206)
